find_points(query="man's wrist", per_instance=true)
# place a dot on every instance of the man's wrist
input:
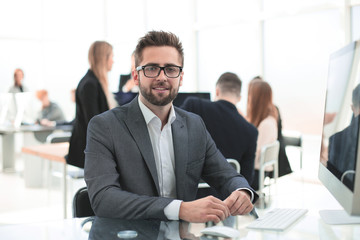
(172, 210)
(248, 191)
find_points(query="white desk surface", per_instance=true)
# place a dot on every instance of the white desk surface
(32, 128)
(291, 192)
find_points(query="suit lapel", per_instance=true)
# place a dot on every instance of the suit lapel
(138, 129)
(180, 139)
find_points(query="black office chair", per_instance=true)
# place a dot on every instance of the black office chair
(294, 140)
(81, 204)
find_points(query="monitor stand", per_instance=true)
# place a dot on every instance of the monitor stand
(338, 217)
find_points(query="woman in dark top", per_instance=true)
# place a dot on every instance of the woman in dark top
(92, 98)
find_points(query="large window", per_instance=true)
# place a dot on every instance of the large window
(296, 58)
(355, 23)
(286, 41)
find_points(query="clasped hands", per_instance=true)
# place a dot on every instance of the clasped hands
(213, 209)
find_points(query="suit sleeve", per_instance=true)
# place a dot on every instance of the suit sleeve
(107, 196)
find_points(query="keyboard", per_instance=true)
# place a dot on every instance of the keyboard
(277, 219)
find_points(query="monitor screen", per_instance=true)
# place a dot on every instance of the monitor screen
(180, 98)
(340, 154)
(125, 97)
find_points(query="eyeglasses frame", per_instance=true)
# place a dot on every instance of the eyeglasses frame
(138, 68)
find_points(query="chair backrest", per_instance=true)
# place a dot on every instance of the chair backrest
(269, 153)
(81, 204)
(58, 137)
(293, 139)
(235, 164)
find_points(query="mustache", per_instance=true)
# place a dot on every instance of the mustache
(160, 84)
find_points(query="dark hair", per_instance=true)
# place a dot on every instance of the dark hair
(257, 78)
(229, 83)
(356, 96)
(158, 39)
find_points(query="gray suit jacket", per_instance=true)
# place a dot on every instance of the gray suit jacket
(120, 169)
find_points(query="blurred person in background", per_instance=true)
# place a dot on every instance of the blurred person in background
(50, 111)
(18, 82)
(92, 98)
(284, 165)
(262, 113)
(234, 136)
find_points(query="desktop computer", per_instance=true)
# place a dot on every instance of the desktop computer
(5, 100)
(181, 97)
(339, 168)
(126, 97)
(17, 108)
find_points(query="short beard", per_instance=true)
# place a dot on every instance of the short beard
(151, 98)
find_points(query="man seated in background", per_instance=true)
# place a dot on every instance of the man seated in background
(144, 160)
(343, 146)
(50, 111)
(234, 136)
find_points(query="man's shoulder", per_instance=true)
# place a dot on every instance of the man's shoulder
(118, 113)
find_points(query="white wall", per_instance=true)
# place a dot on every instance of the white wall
(288, 42)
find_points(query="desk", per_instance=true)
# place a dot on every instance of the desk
(303, 194)
(8, 140)
(53, 152)
(51, 230)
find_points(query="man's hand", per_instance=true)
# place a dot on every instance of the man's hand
(239, 202)
(204, 210)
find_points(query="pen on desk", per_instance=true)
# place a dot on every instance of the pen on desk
(254, 213)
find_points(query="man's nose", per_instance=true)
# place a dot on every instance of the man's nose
(162, 75)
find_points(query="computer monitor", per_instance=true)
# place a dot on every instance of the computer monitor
(5, 100)
(17, 108)
(339, 168)
(123, 98)
(180, 98)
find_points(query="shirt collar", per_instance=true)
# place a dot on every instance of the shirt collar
(149, 115)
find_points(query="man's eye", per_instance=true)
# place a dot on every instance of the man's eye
(171, 69)
(151, 68)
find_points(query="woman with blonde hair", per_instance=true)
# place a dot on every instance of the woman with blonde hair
(92, 97)
(262, 113)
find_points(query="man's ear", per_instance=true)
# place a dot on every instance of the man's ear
(181, 78)
(238, 98)
(356, 110)
(135, 75)
(217, 91)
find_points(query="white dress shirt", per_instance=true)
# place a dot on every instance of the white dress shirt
(163, 148)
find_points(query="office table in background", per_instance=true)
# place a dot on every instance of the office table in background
(8, 140)
(52, 152)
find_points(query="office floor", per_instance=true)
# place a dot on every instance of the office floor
(19, 204)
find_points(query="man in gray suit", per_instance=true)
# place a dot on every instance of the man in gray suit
(144, 160)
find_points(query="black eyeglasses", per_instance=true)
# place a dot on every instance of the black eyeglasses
(154, 71)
